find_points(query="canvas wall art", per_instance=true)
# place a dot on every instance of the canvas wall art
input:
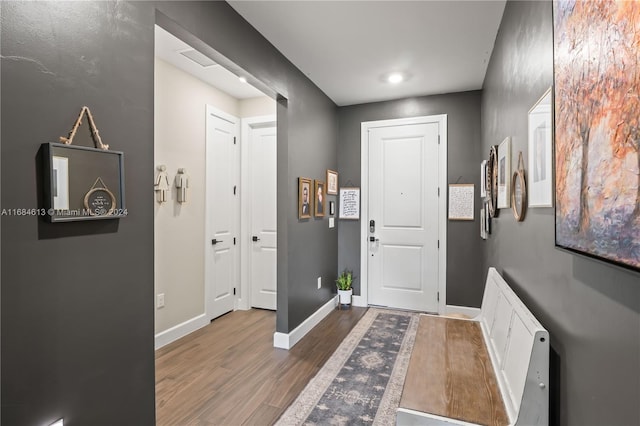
(597, 133)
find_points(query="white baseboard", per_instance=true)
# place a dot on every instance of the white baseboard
(462, 310)
(358, 301)
(288, 340)
(174, 333)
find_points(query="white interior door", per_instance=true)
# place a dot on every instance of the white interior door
(403, 258)
(263, 167)
(222, 212)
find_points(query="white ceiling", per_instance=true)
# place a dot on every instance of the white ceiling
(168, 48)
(345, 47)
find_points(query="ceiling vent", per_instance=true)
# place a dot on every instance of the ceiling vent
(199, 58)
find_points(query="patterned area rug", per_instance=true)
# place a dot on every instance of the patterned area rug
(362, 381)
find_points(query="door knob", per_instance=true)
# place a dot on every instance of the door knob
(214, 241)
(254, 238)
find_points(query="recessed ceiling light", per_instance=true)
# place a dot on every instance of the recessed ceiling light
(242, 79)
(395, 78)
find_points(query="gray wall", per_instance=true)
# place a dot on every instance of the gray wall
(307, 135)
(77, 298)
(590, 308)
(464, 286)
(77, 343)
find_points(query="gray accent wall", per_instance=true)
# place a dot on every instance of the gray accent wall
(590, 308)
(307, 146)
(77, 298)
(464, 262)
(77, 333)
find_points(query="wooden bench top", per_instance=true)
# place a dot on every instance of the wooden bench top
(450, 373)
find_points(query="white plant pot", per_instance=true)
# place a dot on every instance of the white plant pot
(345, 296)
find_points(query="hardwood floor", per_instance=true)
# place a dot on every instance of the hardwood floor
(229, 373)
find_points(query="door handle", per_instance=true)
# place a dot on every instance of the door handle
(254, 238)
(374, 239)
(214, 241)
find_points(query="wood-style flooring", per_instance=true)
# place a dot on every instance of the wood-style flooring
(229, 373)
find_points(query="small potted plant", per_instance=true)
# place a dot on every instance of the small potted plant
(344, 282)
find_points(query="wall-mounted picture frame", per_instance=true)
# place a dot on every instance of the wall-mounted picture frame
(82, 183)
(349, 203)
(519, 191)
(320, 199)
(461, 201)
(332, 208)
(492, 181)
(596, 108)
(483, 213)
(487, 219)
(504, 174)
(540, 123)
(332, 182)
(483, 179)
(305, 203)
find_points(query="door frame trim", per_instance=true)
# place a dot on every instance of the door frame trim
(441, 119)
(208, 273)
(247, 125)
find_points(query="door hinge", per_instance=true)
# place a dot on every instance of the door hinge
(438, 140)
(234, 291)
(438, 191)
(437, 297)
(234, 140)
(438, 243)
(234, 241)
(234, 189)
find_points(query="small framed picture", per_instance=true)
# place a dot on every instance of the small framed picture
(305, 204)
(349, 207)
(487, 219)
(319, 200)
(483, 179)
(504, 174)
(483, 215)
(332, 182)
(541, 153)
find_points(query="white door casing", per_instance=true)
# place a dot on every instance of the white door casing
(403, 179)
(222, 211)
(259, 209)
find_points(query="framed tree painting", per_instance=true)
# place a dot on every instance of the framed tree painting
(597, 135)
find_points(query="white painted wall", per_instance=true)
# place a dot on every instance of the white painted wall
(255, 107)
(179, 127)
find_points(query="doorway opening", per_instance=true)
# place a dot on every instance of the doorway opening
(216, 137)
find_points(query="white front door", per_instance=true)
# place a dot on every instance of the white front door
(404, 216)
(221, 212)
(262, 170)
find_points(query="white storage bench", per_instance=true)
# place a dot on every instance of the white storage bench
(489, 370)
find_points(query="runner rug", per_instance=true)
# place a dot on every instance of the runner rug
(362, 381)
